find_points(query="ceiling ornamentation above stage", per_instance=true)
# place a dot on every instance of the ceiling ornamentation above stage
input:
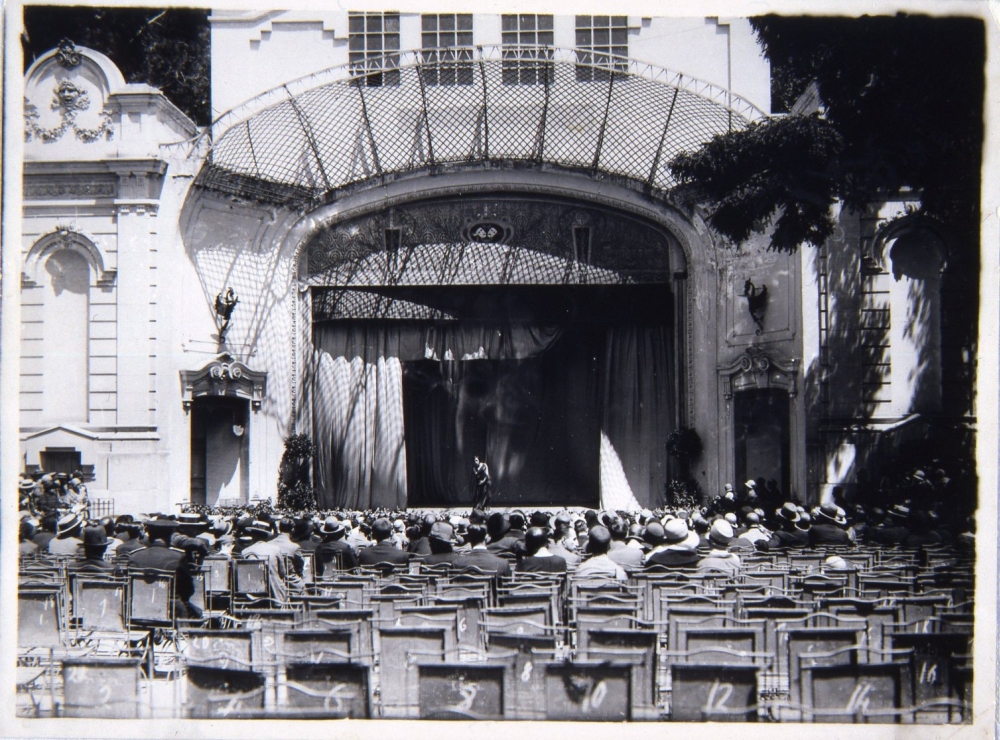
(304, 142)
(544, 243)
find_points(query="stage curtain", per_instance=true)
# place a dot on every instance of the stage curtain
(358, 397)
(637, 415)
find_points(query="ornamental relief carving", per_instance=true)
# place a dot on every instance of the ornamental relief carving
(51, 189)
(68, 100)
(630, 247)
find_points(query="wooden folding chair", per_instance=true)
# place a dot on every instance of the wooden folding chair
(329, 690)
(713, 692)
(857, 692)
(106, 688)
(461, 691)
(938, 661)
(400, 651)
(588, 691)
(639, 648)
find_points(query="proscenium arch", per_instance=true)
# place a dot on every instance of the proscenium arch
(689, 233)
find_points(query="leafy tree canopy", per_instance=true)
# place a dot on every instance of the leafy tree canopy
(166, 48)
(901, 108)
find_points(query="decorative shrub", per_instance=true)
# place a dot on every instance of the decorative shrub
(683, 494)
(684, 443)
(295, 490)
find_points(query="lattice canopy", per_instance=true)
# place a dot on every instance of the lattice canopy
(303, 142)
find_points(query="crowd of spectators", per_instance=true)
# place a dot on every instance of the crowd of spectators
(610, 544)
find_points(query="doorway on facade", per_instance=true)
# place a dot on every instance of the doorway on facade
(219, 450)
(762, 436)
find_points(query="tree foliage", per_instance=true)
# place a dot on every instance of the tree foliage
(901, 110)
(165, 48)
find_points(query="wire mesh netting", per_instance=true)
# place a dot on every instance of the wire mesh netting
(304, 141)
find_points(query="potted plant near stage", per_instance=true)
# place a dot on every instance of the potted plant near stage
(295, 490)
(684, 445)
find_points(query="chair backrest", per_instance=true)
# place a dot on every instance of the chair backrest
(719, 692)
(358, 620)
(588, 690)
(222, 649)
(218, 581)
(99, 603)
(860, 692)
(104, 688)
(220, 693)
(39, 617)
(324, 690)
(400, 651)
(937, 658)
(461, 691)
(638, 648)
(151, 598)
(744, 637)
(250, 577)
(320, 646)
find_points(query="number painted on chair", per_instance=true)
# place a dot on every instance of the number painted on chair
(76, 674)
(526, 672)
(462, 626)
(718, 697)
(105, 694)
(928, 675)
(595, 698)
(859, 701)
(468, 692)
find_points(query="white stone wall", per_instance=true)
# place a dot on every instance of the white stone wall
(255, 51)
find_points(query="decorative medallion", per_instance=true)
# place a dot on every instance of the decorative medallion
(488, 232)
(67, 54)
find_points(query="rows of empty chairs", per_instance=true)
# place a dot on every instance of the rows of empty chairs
(783, 641)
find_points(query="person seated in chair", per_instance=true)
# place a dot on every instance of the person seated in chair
(674, 545)
(158, 555)
(383, 552)
(599, 565)
(95, 544)
(539, 559)
(479, 556)
(442, 542)
(333, 546)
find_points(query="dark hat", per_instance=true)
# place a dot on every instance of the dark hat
(804, 522)
(535, 538)
(635, 532)
(497, 525)
(95, 537)
(539, 519)
(832, 513)
(332, 526)
(788, 512)
(654, 533)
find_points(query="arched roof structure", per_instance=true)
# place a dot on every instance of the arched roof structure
(302, 143)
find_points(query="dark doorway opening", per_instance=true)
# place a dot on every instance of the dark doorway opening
(761, 436)
(219, 450)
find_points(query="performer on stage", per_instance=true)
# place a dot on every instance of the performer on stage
(482, 484)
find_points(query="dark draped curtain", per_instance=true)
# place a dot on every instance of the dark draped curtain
(637, 412)
(573, 412)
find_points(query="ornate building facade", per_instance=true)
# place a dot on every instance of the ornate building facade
(447, 235)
